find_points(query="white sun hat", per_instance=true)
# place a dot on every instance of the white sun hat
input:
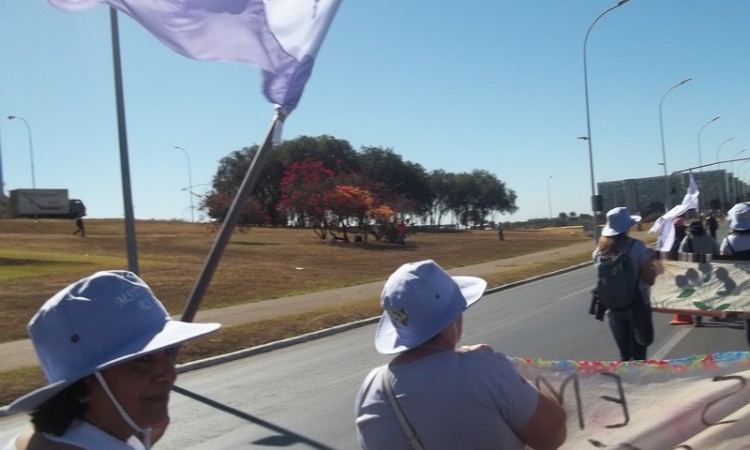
(419, 300)
(97, 322)
(619, 221)
(739, 216)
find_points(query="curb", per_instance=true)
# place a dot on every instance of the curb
(271, 346)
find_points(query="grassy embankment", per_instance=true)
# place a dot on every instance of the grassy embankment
(37, 258)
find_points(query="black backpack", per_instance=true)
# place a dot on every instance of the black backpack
(617, 283)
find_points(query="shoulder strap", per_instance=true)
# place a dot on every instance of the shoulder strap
(731, 249)
(414, 441)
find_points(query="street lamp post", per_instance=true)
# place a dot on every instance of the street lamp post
(190, 182)
(587, 138)
(549, 198)
(31, 148)
(700, 159)
(667, 204)
(718, 166)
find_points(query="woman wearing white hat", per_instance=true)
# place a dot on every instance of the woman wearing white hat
(632, 327)
(107, 347)
(433, 395)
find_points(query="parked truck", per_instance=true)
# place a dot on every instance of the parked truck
(53, 203)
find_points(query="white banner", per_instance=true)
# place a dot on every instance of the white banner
(700, 402)
(714, 287)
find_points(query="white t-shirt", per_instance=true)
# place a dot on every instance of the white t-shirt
(453, 400)
(738, 243)
(88, 437)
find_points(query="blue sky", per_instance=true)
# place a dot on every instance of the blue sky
(485, 84)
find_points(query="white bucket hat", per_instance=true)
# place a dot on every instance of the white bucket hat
(619, 221)
(419, 300)
(97, 322)
(739, 216)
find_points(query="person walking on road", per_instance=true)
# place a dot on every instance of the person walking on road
(438, 396)
(698, 242)
(713, 224)
(737, 242)
(107, 347)
(632, 326)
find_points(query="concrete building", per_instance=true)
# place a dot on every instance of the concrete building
(648, 196)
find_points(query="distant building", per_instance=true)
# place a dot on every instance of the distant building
(647, 195)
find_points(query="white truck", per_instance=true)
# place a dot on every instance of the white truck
(45, 203)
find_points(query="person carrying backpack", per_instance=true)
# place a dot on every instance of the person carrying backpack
(737, 243)
(625, 272)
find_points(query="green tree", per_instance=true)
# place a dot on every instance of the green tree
(401, 184)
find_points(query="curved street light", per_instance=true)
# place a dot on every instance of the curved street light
(700, 159)
(31, 148)
(587, 138)
(190, 182)
(663, 151)
(718, 166)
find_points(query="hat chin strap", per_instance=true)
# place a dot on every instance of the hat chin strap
(145, 432)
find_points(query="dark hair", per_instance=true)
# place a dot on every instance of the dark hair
(57, 414)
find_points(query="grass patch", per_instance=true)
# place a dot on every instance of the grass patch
(41, 257)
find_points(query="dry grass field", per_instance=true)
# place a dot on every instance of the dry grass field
(37, 258)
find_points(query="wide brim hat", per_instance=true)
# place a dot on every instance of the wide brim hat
(619, 221)
(98, 322)
(739, 216)
(419, 300)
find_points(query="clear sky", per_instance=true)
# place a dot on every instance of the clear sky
(481, 84)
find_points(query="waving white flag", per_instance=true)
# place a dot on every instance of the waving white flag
(664, 225)
(281, 37)
(691, 197)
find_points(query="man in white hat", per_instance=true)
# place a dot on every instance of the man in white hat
(436, 396)
(107, 347)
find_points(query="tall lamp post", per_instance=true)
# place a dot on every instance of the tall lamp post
(587, 138)
(190, 182)
(667, 204)
(718, 166)
(31, 148)
(700, 158)
(549, 198)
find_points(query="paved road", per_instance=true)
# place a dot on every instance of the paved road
(301, 397)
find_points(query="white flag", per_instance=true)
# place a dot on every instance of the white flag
(691, 197)
(281, 37)
(664, 225)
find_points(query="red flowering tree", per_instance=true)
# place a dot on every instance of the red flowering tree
(350, 206)
(306, 192)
